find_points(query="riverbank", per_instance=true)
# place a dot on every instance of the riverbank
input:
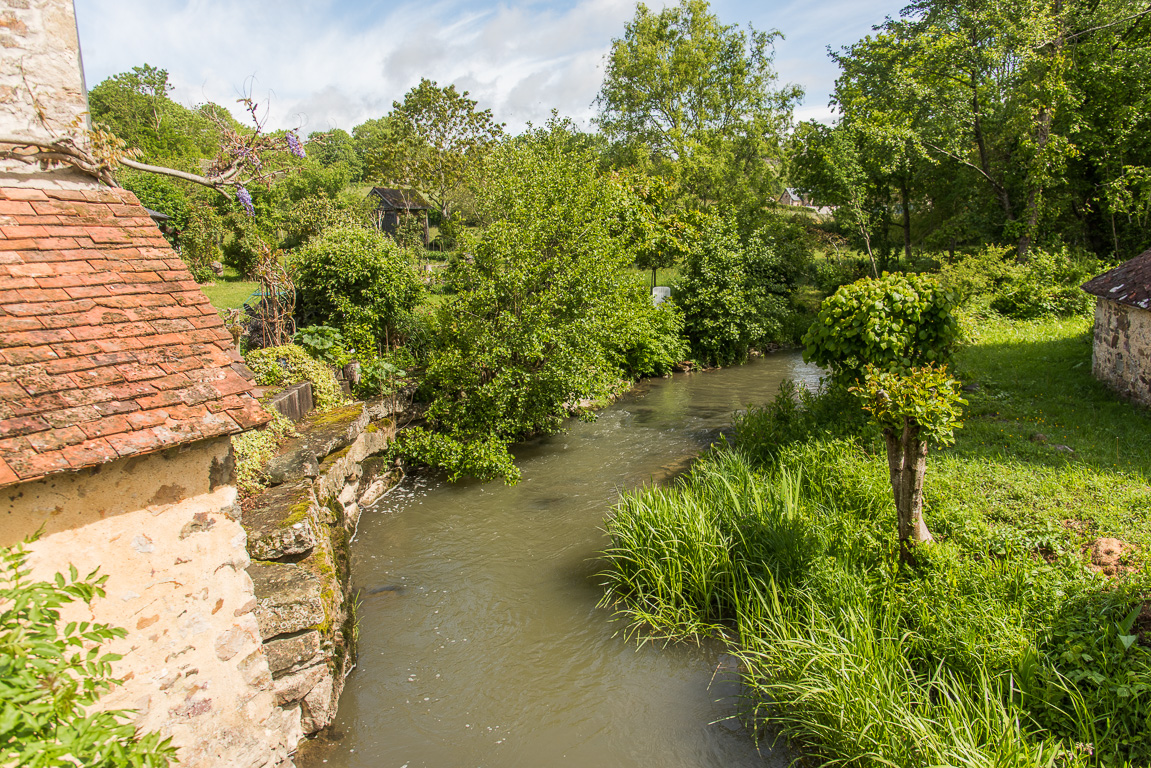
(1018, 640)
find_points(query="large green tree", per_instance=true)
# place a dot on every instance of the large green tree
(1009, 120)
(545, 316)
(428, 141)
(699, 98)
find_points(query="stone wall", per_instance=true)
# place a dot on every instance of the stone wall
(165, 529)
(1121, 354)
(298, 536)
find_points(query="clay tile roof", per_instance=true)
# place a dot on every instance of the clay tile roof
(1129, 283)
(108, 348)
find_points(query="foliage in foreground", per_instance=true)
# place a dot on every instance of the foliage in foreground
(50, 674)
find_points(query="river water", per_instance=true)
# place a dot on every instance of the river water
(493, 653)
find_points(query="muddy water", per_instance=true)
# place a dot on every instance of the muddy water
(493, 653)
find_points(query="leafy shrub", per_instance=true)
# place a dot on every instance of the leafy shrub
(324, 343)
(355, 277)
(51, 675)
(649, 342)
(734, 296)
(1047, 286)
(897, 321)
(289, 364)
(380, 377)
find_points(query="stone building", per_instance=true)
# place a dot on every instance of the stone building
(1121, 354)
(119, 389)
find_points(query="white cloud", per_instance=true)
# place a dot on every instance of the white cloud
(334, 63)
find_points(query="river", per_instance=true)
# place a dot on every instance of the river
(492, 652)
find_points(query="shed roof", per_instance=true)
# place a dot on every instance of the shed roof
(108, 348)
(400, 199)
(1129, 283)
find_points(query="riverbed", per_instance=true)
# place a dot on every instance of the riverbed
(487, 648)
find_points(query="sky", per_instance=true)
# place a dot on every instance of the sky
(313, 65)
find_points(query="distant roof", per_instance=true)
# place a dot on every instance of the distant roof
(108, 348)
(1129, 283)
(400, 199)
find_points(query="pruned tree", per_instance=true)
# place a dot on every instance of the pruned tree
(914, 408)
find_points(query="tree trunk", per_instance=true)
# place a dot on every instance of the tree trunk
(907, 463)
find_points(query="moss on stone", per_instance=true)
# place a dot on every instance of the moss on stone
(296, 513)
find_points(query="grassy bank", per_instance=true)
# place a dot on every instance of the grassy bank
(1005, 646)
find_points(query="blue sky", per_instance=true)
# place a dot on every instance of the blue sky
(317, 64)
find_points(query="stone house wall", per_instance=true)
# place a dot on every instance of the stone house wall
(165, 529)
(1121, 354)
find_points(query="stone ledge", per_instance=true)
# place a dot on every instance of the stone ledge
(279, 524)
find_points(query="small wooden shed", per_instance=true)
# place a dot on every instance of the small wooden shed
(1121, 354)
(394, 203)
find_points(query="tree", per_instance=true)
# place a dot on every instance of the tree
(699, 96)
(428, 141)
(51, 675)
(1003, 99)
(913, 408)
(545, 316)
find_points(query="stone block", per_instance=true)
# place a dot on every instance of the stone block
(288, 598)
(296, 686)
(291, 465)
(319, 705)
(287, 654)
(279, 524)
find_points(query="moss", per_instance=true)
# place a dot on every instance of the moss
(348, 413)
(296, 513)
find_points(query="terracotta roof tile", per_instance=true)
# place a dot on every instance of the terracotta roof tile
(107, 346)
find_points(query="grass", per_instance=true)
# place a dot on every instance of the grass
(229, 291)
(1002, 647)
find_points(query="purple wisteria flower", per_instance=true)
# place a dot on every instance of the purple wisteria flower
(245, 199)
(294, 144)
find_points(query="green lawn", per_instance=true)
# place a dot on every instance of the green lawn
(229, 291)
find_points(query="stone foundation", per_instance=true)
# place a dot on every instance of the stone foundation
(298, 537)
